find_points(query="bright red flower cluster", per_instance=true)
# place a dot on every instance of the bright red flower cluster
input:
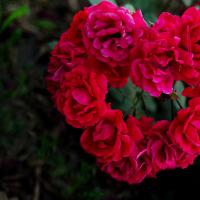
(104, 46)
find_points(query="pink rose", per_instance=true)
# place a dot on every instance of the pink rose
(135, 167)
(129, 169)
(186, 29)
(74, 33)
(153, 57)
(191, 33)
(117, 76)
(192, 92)
(184, 159)
(108, 32)
(160, 148)
(109, 139)
(168, 25)
(185, 128)
(81, 97)
(64, 57)
(68, 53)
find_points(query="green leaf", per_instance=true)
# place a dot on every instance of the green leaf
(123, 98)
(96, 193)
(197, 6)
(150, 103)
(52, 44)
(129, 7)
(14, 37)
(18, 13)
(187, 2)
(150, 8)
(45, 24)
(179, 87)
(93, 2)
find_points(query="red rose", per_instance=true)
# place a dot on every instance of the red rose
(190, 43)
(68, 53)
(143, 163)
(186, 28)
(160, 148)
(103, 47)
(136, 166)
(108, 32)
(184, 159)
(153, 57)
(191, 33)
(64, 57)
(74, 33)
(192, 92)
(117, 76)
(129, 169)
(168, 25)
(81, 97)
(54, 76)
(151, 79)
(185, 128)
(109, 139)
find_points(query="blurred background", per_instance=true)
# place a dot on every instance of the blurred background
(40, 155)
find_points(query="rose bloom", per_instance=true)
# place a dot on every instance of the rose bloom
(152, 151)
(186, 28)
(108, 32)
(81, 97)
(135, 167)
(129, 169)
(192, 92)
(184, 159)
(191, 33)
(163, 152)
(117, 76)
(153, 145)
(103, 32)
(109, 139)
(68, 53)
(168, 25)
(152, 58)
(185, 128)
(160, 148)
(64, 57)
(74, 33)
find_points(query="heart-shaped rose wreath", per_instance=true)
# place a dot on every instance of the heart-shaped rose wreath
(93, 61)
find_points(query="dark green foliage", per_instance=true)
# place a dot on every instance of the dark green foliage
(14, 15)
(93, 2)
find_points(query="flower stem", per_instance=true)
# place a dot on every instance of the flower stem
(172, 110)
(179, 104)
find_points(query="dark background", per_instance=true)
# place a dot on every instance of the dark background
(40, 155)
